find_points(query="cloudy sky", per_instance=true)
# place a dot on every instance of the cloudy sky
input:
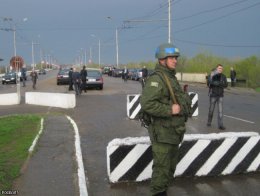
(68, 29)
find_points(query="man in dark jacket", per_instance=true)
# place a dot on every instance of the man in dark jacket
(144, 72)
(84, 74)
(70, 80)
(233, 76)
(23, 75)
(217, 83)
(76, 81)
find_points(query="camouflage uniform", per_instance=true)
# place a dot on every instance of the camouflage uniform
(166, 130)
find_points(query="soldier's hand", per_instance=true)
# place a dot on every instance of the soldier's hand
(176, 109)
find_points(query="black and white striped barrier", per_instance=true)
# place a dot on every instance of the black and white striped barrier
(130, 159)
(133, 105)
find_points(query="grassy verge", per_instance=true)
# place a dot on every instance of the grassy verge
(16, 136)
(257, 89)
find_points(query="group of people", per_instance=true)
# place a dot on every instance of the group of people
(33, 74)
(78, 80)
(168, 116)
(126, 73)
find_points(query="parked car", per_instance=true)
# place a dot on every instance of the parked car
(95, 79)
(137, 74)
(130, 73)
(63, 76)
(117, 72)
(9, 77)
(42, 72)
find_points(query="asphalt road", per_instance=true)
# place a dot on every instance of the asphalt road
(101, 117)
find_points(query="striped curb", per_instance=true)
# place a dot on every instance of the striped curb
(133, 105)
(130, 159)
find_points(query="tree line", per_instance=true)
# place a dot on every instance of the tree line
(246, 68)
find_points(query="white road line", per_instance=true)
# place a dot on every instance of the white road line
(240, 119)
(31, 149)
(81, 172)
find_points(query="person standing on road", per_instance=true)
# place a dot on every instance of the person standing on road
(70, 79)
(34, 77)
(233, 76)
(76, 81)
(168, 117)
(217, 83)
(144, 72)
(84, 74)
(23, 75)
(125, 74)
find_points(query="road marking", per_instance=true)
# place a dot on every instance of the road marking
(31, 149)
(81, 172)
(240, 119)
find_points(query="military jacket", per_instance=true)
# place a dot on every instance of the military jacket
(156, 101)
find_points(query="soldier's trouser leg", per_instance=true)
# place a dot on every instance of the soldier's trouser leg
(220, 111)
(212, 102)
(165, 157)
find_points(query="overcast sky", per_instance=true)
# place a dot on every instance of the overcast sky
(65, 29)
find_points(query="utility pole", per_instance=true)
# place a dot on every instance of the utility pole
(117, 48)
(169, 21)
(33, 62)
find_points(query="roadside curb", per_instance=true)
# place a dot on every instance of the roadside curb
(52, 169)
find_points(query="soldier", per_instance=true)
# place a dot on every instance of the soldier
(167, 126)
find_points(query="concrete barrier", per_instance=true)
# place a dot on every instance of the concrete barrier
(130, 159)
(192, 77)
(9, 99)
(61, 100)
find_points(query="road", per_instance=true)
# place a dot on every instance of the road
(101, 117)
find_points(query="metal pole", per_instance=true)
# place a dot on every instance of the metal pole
(14, 40)
(169, 22)
(90, 54)
(85, 58)
(99, 52)
(116, 48)
(33, 55)
(17, 69)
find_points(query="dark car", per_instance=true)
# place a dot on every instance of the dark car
(117, 72)
(95, 79)
(42, 72)
(130, 73)
(63, 77)
(9, 77)
(137, 74)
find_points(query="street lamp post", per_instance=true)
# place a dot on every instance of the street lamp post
(117, 49)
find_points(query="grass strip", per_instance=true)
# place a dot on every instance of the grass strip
(16, 135)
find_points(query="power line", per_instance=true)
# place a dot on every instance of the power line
(218, 18)
(209, 10)
(219, 45)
